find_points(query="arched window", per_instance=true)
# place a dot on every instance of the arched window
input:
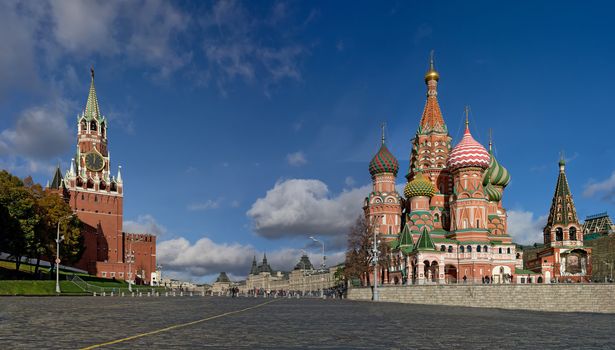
(443, 248)
(478, 249)
(559, 234)
(573, 233)
(469, 249)
(102, 129)
(450, 248)
(508, 250)
(500, 250)
(93, 125)
(485, 249)
(461, 249)
(436, 217)
(84, 125)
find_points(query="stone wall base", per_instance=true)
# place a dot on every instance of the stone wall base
(534, 297)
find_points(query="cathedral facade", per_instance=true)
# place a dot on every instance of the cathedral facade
(97, 198)
(449, 226)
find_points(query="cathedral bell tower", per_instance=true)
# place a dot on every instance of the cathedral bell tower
(430, 148)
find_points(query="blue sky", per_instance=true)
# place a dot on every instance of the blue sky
(245, 127)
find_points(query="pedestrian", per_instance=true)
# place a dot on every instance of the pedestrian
(465, 279)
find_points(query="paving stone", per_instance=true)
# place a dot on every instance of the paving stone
(74, 322)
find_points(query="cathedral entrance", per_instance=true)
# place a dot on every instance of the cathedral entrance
(450, 273)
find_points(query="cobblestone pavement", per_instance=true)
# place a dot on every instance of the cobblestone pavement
(76, 322)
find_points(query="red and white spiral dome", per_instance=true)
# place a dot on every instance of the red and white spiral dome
(468, 153)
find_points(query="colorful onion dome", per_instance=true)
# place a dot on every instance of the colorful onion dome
(496, 174)
(419, 186)
(383, 162)
(468, 153)
(493, 194)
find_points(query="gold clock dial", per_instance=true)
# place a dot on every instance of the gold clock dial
(94, 161)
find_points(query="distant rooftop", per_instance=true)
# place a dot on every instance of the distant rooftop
(597, 225)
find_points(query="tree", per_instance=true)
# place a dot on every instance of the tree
(358, 254)
(22, 219)
(53, 209)
(28, 222)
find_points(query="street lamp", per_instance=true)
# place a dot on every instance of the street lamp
(611, 266)
(375, 263)
(323, 250)
(130, 258)
(322, 279)
(58, 240)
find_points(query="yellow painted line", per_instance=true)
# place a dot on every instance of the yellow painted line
(96, 346)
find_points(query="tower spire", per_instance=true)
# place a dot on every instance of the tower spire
(383, 137)
(92, 110)
(562, 207)
(431, 74)
(467, 112)
(490, 140)
(431, 119)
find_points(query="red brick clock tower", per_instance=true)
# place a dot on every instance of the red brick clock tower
(97, 197)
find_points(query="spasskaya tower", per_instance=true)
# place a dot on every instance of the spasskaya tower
(97, 197)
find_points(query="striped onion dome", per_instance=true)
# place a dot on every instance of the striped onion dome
(383, 162)
(493, 194)
(496, 174)
(468, 153)
(419, 186)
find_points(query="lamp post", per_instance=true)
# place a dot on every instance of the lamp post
(130, 257)
(323, 250)
(58, 240)
(375, 263)
(322, 280)
(611, 266)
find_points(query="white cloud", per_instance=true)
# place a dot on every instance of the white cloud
(18, 24)
(40, 132)
(234, 50)
(296, 159)
(141, 31)
(204, 257)
(605, 189)
(180, 257)
(207, 205)
(144, 224)
(84, 27)
(299, 207)
(524, 228)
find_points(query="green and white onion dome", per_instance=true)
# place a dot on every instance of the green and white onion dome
(493, 194)
(419, 186)
(496, 174)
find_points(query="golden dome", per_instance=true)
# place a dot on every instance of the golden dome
(431, 74)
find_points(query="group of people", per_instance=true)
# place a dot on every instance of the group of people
(337, 292)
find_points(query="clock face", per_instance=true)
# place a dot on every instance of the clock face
(94, 161)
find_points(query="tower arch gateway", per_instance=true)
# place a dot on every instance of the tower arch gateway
(97, 197)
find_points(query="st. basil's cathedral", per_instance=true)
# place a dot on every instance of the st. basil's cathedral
(450, 225)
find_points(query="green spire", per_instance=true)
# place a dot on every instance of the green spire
(425, 242)
(92, 111)
(56, 183)
(562, 210)
(405, 239)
